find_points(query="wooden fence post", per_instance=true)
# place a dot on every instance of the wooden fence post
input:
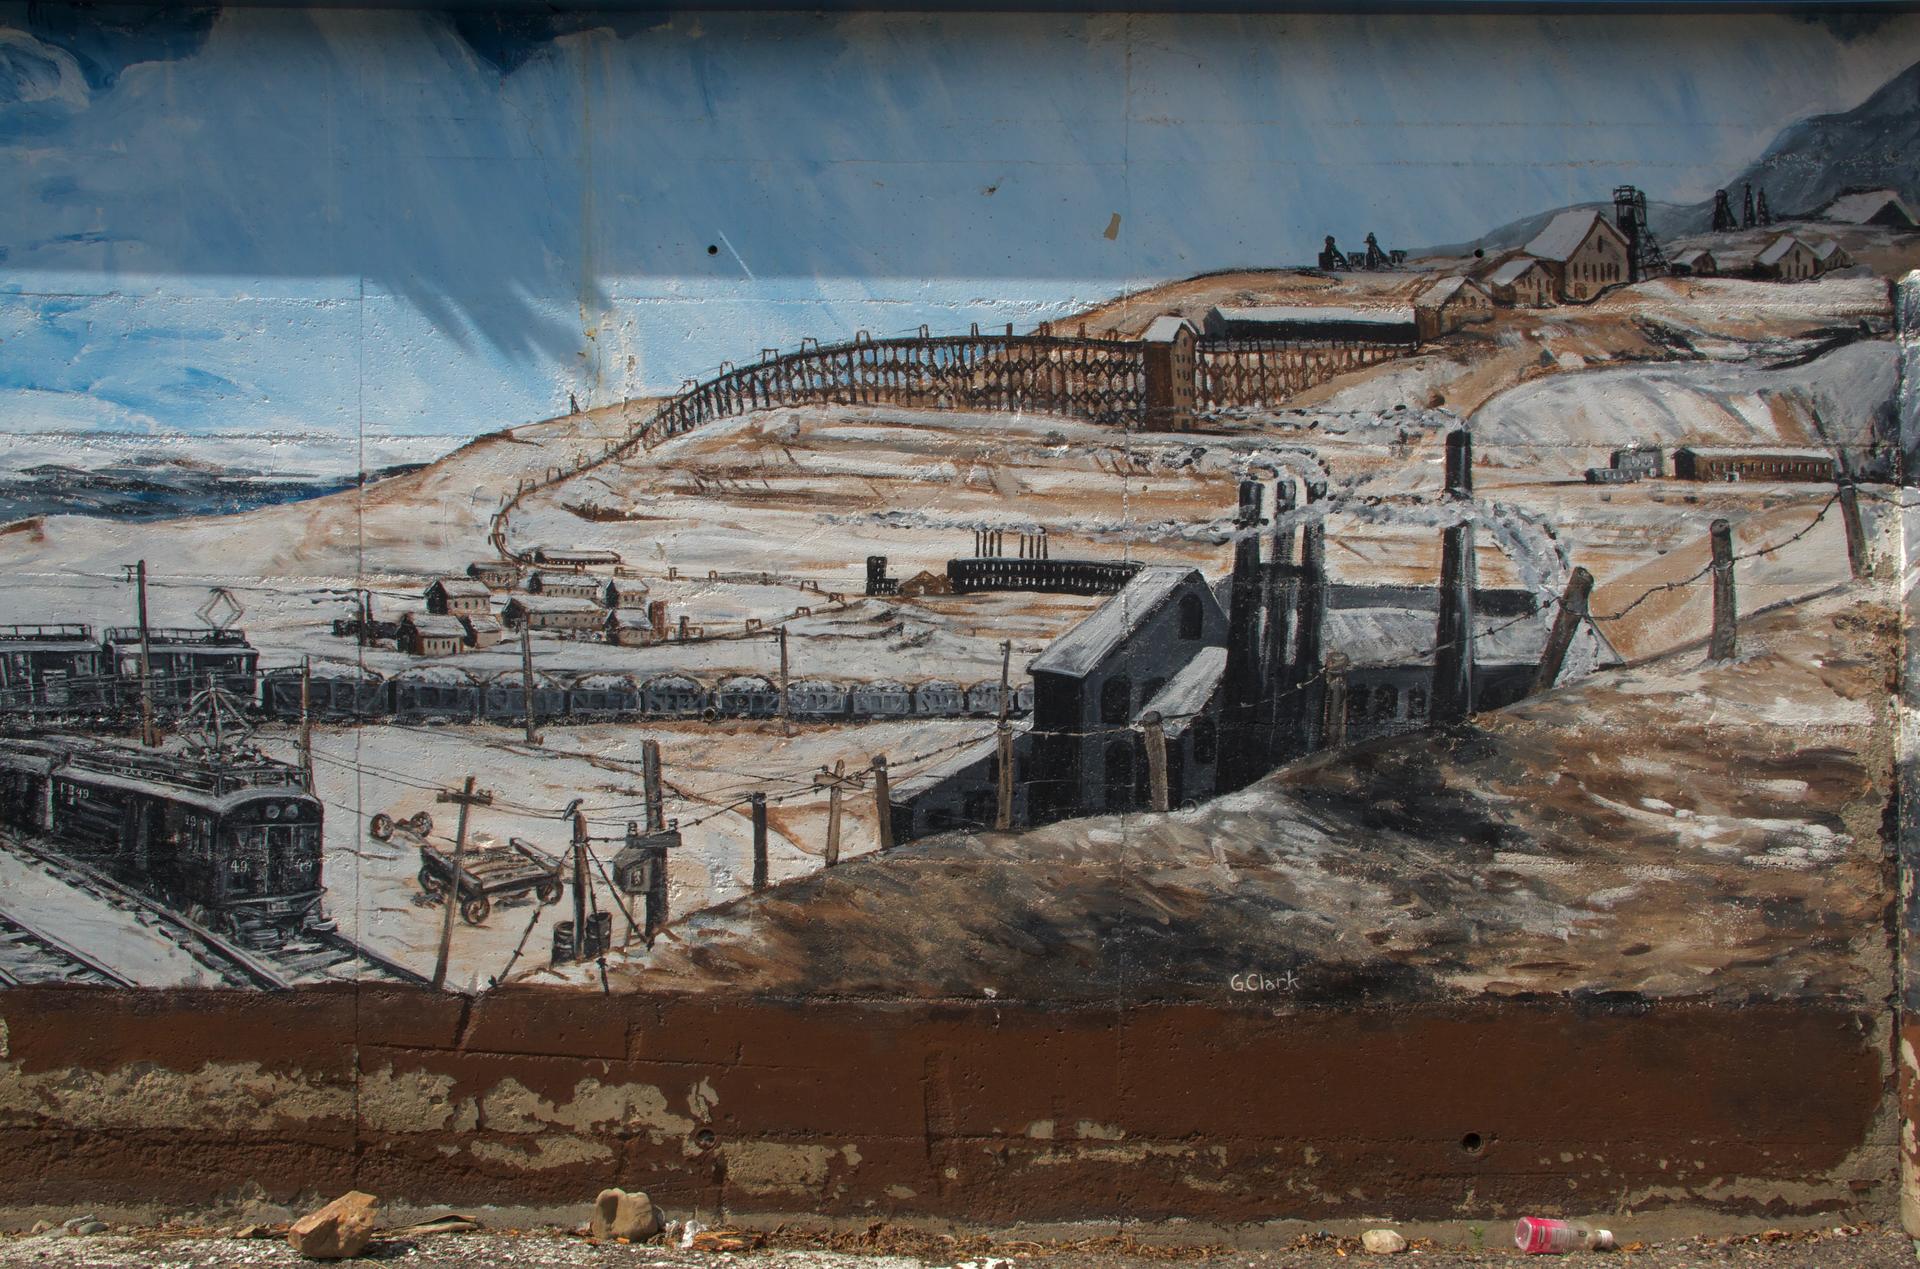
(1566, 623)
(1723, 645)
(759, 840)
(882, 802)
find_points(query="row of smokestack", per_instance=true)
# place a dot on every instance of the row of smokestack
(991, 544)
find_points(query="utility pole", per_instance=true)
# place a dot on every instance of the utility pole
(149, 736)
(526, 679)
(1722, 646)
(1156, 758)
(1003, 749)
(833, 782)
(650, 779)
(581, 935)
(466, 798)
(881, 801)
(759, 801)
(786, 717)
(306, 720)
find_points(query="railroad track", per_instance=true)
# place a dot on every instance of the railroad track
(29, 956)
(309, 960)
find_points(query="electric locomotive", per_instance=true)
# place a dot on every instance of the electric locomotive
(230, 839)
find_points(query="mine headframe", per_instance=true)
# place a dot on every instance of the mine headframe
(1646, 259)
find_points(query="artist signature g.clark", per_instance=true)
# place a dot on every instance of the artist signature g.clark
(1260, 981)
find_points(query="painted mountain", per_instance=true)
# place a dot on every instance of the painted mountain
(1876, 144)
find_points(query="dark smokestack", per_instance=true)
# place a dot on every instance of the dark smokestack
(1452, 694)
(1240, 706)
(1283, 503)
(1460, 463)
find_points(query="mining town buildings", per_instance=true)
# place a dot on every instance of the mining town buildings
(1290, 665)
(625, 592)
(1787, 259)
(496, 574)
(1091, 684)
(550, 612)
(565, 586)
(483, 630)
(1168, 360)
(1450, 304)
(1695, 261)
(1697, 462)
(1584, 252)
(1522, 281)
(575, 557)
(1856, 206)
(458, 597)
(431, 634)
(1333, 323)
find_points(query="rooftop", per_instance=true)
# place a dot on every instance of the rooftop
(1510, 272)
(1108, 626)
(1564, 234)
(1187, 693)
(1303, 314)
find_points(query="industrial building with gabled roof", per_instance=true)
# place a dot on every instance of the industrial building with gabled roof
(1870, 207)
(1585, 253)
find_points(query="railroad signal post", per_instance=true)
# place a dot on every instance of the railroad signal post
(467, 798)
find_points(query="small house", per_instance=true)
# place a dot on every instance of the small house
(625, 592)
(1521, 282)
(926, 583)
(458, 597)
(1584, 252)
(1450, 304)
(494, 574)
(1787, 259)
(1694, 262)
(565, 586)
(1168, 351)
(551, 612)
(1831, 255)
(432, 635)
(483, 630)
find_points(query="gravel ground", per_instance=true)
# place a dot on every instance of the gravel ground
(1851, 1248)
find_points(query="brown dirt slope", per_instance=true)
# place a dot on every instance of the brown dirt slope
(1674, 830)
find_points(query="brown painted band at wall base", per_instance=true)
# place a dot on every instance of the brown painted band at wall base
(985, 1113)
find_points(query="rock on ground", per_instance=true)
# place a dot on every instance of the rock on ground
(338, 1230)
(620, 1214)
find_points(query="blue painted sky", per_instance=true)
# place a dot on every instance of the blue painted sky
(294, 220)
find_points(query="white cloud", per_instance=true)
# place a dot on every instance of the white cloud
(31, 71)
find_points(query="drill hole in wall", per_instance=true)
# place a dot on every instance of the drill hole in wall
(1471, 1143)
(704, 1138)
(712, 250)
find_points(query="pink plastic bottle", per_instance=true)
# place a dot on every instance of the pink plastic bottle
(1540, 1236)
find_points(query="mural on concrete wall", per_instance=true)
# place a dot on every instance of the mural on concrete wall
(1056, 508)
